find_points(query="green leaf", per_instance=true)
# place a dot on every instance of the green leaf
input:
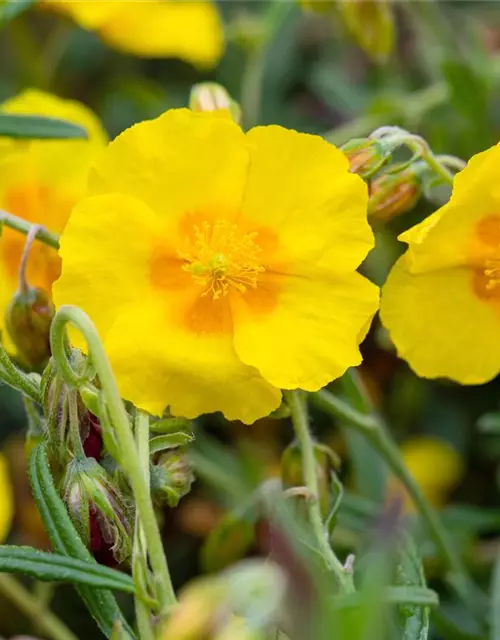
(52, 567)
(468, 86)
(402, 596)
(228, 542)
(414, 618)
(171, 425)
(37, 127)
(10, 9)
(495, 601)
(100, 602)
(170, 441)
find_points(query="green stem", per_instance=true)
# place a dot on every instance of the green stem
(28, 604)
(74, 425)
(15, 378)
(375, 431)
(306, 443)
(139, 562)
(119, 418)
(18, 224)
(254, 73)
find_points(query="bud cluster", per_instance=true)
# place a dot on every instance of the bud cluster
(394, 187)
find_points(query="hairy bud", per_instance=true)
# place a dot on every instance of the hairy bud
(171, 477)
(393, 194)
(365, 156)
(28, 318)
(99, 510)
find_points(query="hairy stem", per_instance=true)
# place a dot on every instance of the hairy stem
(306, 444)
(120, 420)
(371, 426)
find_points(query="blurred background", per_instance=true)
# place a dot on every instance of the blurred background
(431, 67)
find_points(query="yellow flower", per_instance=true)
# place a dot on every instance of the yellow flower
(6, 500)
(185, 29)
(441, 302)
(40, 181)
(220, 266)
(436, 466)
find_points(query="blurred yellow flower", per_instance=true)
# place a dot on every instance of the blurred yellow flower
(441, 302)
(40, 181)
(436, 466)
(220, 266)
(185, 29)
(370, 22)
(6, 500)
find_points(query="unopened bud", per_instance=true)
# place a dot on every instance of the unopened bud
(171, 477)
(56, 396)
(372, 24)
(392, 194)
(28, 318)
(210, 96)
(100, 512)
(365, 156)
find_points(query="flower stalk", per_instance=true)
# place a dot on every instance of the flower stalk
(362, 419)
(18, 224)
(301, 427)
(129, 459)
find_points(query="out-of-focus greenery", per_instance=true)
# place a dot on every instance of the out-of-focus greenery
(305, 70)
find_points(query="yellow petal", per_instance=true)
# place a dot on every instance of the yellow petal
(188, 30)
(6, 500)
(153, 28)
(311, 334)
(301, 186)
(106, 253)
(453, 235)
(440, 325)
(159, 364)
(179, 163)
(40, 181)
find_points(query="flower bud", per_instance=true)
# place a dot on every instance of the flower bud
(99, 510)
(210, 96)
(171, 477)
(28, 318)
(392, 194)
(371, 22)
(365, 156)
(55, 402)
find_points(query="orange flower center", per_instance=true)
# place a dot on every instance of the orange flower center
(221, 259)
(485, 256)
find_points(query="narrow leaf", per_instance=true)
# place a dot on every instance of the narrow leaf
(66, 541)
(52, 567)
(37, 127)
(169, 441)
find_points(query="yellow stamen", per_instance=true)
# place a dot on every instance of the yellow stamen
(492, 273)
(220, 258)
